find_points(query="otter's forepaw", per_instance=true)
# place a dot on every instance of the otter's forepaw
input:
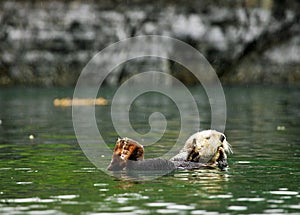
(193, 154)
(219, 160)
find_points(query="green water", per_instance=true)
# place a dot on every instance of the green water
(49, 174)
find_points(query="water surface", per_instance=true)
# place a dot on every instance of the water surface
(49, 174)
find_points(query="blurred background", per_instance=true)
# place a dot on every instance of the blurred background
(47, 43)
(253, 45)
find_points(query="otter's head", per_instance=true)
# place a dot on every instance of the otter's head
(208, 147)
(125, 149)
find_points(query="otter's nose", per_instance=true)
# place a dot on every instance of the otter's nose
(222, 164)
(222, 138)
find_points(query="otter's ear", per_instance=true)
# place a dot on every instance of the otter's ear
(222, 138)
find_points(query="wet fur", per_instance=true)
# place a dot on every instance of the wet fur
(203, 149)
(126, 149)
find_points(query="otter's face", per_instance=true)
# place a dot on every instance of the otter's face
(208, 147)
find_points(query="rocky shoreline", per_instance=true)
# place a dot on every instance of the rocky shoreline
(48, 43)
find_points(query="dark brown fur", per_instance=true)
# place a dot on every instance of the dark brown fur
(125, 149)
(198, 152)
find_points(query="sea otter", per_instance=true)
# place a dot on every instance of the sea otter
(203, 149)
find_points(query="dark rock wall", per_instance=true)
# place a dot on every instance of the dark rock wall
(49, 42)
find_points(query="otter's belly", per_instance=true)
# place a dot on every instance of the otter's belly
(163, 164)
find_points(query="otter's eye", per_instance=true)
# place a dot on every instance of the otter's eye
(207, 138)
(222, 138)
